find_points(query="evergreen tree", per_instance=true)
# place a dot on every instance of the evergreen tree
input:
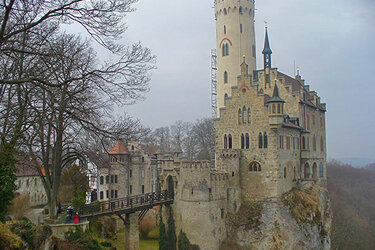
(162, 236)
(7, 178)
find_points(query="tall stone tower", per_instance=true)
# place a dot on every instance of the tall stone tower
(235, 38)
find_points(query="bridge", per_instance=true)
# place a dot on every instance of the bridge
(127, 206)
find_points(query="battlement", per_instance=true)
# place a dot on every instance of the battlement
(196, 165)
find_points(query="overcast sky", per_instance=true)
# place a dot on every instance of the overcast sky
(332, 41)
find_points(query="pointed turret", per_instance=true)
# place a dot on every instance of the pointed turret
(276, 108)
(267, 52)
(275, 96)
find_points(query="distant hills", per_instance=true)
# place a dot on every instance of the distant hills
(355, 162)
(352, 192)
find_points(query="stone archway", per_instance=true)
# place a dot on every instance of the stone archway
(307, 171)
(315, 172)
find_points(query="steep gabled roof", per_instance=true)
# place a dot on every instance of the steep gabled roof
(118, 149)
(267, 48)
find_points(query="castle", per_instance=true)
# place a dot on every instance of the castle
(268, 189)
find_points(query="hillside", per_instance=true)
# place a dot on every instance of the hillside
(352, 193)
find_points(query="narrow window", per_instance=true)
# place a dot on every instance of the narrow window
(101, 180)
(225, 77)
(239, 116)
(241, 27)
(230, 141)
(130, 173)
(303, 143)
(248, 115)
(116, 193)
(225, 11)
(143, 159)
(222, 213)
(107, 194)
(308, 122)
(244, 115)
(247, 141)
(143, 173)
(225, 142)
(101, 195)
(112, 194)
(115, 178)
(278, 108)
(260, 140)
(240, 9)
(107, 179)
(225, 29)
(223, 48)
(273, 108)
(265, 140)
(133, 147)
(130, 189)
(242, 141)
(321, 170)
(284, 172)
(227, 49)
(143, 189)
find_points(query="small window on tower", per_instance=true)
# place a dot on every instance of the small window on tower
(241, 10)
(241, 27)
(225, 29)
(225, 77)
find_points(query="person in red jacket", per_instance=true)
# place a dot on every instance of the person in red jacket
(76, 218)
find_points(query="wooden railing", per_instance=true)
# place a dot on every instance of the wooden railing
(125, 205)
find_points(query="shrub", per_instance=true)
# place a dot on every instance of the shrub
(109, 227)
(9, 240)
(20, 205)
(147, 224)
(80, 240)
(24, 228)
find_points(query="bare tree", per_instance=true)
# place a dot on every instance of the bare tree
(204, 132)
(80, 103)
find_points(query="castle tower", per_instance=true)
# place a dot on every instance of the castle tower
(235, 38)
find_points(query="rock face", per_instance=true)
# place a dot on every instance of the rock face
(299, 220)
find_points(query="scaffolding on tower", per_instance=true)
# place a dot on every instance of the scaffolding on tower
(213, 83)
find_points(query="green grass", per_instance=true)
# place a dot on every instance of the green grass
(144, 244)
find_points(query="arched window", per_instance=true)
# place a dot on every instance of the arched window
(244, 115)
(321, 170)
(247, 141)
(255, 167)
(225, 142)
(225, 11)
(265, 140)
(225, 29)
(239, 116)
(223, 48)
(260, 140)
(225, 77)
(303, 142)
(230, 141)
(241, 10)
(242, 141)
(227, 49)
(248, 115)
(278, 108)
(273, 108)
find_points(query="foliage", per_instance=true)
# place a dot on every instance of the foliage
(21, 203)
(184, 243)
(8, 239)
(34, 236)
(352, 192)
(171, 234)
(74, 185)
(303, 204)
(145, 227)
(162, 233)
(82, 240)
(109, 227)
(7, 178)
(248, 216)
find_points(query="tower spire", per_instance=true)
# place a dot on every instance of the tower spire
(267, 51)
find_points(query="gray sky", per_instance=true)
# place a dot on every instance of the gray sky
(331, 40)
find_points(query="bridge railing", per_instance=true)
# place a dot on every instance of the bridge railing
(123, 203)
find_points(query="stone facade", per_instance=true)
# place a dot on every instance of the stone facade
(29, 183)
(131, 171)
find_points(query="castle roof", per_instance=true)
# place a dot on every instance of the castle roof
(267, 48)
(118, 149)
(275, 96)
